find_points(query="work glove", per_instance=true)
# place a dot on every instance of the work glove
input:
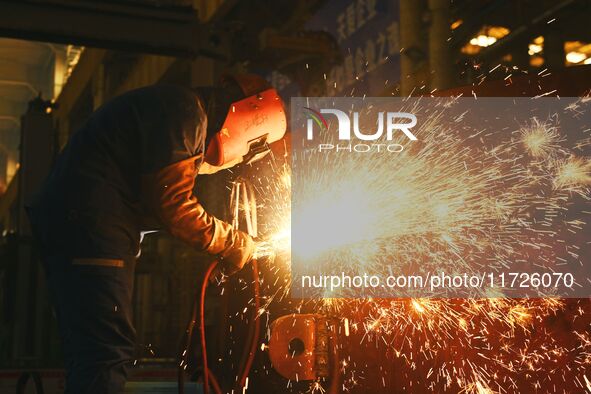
(238, 255)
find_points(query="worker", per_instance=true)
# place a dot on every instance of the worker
(129, 169)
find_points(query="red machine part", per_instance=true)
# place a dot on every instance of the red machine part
(292, 346)
(304, 347)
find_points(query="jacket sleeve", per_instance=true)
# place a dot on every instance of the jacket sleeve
(169, 195)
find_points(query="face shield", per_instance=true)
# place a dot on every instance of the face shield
(251, 124)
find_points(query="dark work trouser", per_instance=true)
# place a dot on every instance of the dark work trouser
(92, 299)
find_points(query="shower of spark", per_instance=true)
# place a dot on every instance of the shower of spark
(540, 139)
(452, 201)
(574, 175)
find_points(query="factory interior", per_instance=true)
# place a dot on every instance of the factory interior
(61, 60)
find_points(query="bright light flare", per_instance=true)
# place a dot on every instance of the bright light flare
(448, 196)
(335, 220)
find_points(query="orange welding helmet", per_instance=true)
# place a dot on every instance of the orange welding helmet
(250, 125)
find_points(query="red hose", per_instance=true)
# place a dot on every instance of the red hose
(208, 376)
(335, 371)
(206, 372)
(255, 327)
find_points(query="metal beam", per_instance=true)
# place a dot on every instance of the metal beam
(9, 118)
(24, 84)
(147, 29)
(13, 73)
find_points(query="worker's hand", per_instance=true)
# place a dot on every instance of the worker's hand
(262, 250)
(236, 257)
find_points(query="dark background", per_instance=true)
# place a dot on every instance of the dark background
(61, 59)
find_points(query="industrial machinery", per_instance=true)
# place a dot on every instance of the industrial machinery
(305, 347)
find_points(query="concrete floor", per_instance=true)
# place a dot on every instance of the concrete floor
(53, 383)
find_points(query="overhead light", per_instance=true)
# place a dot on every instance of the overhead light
(483, 40)
(487, 36)
(577, 52)
(587, 61)
(534, 48)
(575, 57)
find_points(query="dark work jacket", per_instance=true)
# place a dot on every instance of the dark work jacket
(91, 204)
